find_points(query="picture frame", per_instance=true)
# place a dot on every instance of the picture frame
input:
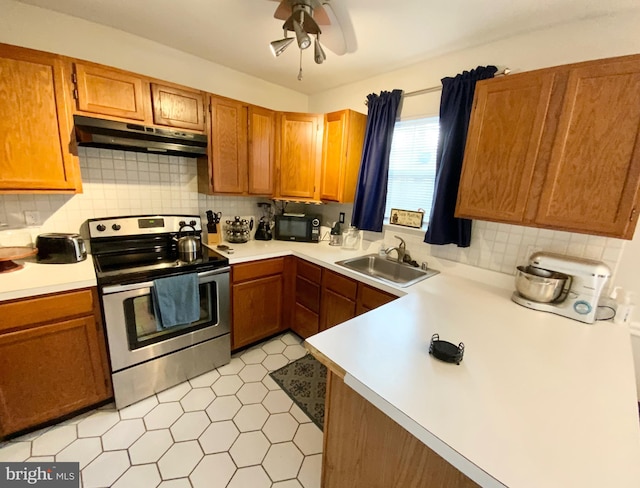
(406, 218)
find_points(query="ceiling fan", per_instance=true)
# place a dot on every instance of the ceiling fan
(314, 17)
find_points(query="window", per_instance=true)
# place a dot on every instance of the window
(412, 166)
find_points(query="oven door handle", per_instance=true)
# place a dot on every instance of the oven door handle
(202, 277)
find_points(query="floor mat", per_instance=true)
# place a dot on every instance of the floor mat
(305, 381)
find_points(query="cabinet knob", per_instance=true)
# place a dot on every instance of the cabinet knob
(116, 227)
(101, 228)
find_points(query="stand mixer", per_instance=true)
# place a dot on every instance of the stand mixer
(581, 290)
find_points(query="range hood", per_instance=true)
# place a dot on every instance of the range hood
(111, 134)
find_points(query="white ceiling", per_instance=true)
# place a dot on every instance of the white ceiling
(390, 33)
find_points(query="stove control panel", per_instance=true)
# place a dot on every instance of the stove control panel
(142, 225)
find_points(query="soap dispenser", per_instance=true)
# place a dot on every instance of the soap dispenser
(625, 305)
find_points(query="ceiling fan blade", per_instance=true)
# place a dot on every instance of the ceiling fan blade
(283, 12)
(340, 38)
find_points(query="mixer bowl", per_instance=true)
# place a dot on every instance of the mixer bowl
(540, 285)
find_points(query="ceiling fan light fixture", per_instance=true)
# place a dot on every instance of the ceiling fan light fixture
(318, 53)
(304, 41)
(278, 47)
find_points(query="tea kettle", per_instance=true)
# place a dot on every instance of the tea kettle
(188, 245)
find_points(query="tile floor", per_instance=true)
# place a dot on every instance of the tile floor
(232, 427)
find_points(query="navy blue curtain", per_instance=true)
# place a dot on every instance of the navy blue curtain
(455, 110)
(371, 192)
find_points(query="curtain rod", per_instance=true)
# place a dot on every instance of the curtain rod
(431, 89)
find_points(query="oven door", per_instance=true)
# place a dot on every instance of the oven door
(131, 325)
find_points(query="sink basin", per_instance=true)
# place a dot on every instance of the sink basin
(382, 269)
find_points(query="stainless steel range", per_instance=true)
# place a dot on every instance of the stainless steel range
(130, 254)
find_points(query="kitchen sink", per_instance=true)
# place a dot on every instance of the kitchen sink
(385, 270)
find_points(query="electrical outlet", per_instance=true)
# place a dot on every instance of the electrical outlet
(341, 217)
(32, 217)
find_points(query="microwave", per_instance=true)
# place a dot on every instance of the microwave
(297, 227)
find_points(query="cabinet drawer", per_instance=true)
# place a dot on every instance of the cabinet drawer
(308, 294)
(310, 271)
(306, 322)
(340, 284)
(30, 311)
(257, 269)
(371, 298)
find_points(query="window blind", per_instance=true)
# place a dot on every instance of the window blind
(412, 165)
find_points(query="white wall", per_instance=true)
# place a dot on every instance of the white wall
(36, 28)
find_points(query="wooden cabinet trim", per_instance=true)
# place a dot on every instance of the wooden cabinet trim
(600, 197)
(261, 149)
(177, 107)
(340, 284)
(310, 271)
(63, 363)
(256, 269)
(228, 146)
(29, 312)
(370, 297)
(110, 91)
(37, 125)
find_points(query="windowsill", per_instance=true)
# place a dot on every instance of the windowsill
(405, 230)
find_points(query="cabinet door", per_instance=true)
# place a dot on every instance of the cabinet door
(110, 92)
(370, 298)
(338, 302)
(594, 172)
(35, 126)
(228, 146)
(49, 371)
(503, 143)
(257, 309)
(342, 151)
(299, 156)
(261, 150)
(176, 107)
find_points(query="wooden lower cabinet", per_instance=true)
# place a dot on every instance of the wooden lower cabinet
(306, 307)
(338, 299)
(370, 298)
(364, 448)
(257, 293)
(53, 359)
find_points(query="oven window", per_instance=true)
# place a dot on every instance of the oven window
(140, 319)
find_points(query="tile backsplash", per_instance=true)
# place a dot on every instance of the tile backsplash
(129, 183)
(122, 183)
(503, 247)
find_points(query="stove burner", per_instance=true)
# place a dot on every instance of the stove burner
(139, 248)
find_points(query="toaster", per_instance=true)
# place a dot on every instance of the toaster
(58, 248)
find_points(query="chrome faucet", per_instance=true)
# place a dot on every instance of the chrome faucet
(401, 251)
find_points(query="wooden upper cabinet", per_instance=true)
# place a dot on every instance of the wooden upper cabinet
(228, 146)
(261, 158)
(107, 91)
(342, 151)
(502, 147)
(177, 107)
(557, 148)
(299, 156)
(35, 124)
(594, 172)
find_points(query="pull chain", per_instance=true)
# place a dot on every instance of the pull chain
(300, 72)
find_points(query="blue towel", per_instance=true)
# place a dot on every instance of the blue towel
(176, 300)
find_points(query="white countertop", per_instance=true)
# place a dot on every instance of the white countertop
(538, 401)
(38, 279)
